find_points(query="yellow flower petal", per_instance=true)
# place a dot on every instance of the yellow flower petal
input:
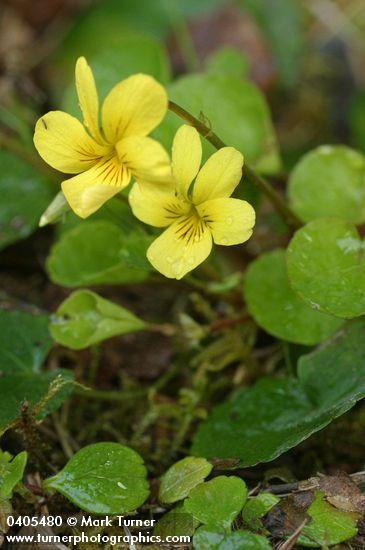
(186, 156)
(159, 210)
(88, 191)
(230, 220)
(135, 106)
(88, 98)
(219, 176)
(61, 140)
(179, 249)
(146, 159)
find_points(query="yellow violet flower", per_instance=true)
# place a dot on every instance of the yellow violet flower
(105, 158)
(195, 215)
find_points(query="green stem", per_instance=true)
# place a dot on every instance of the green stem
(107, 395)
(249, 173)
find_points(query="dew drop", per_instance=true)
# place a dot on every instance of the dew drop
(176, 267)
(191, 261)
(224, 240)
(325, 149)
(197, 238)
(229, 220)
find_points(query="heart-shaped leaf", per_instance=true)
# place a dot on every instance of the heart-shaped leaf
(85, 318)
(278, 309)
(103, 478)
(326, 267)
(259, 423)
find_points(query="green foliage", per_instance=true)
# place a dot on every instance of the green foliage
(25, 342)
(259, 423)
(176, 522)
(326, 267)
(11, 472)
(329, 181)
(328, 526)
(235, 110)
(85, 318)
(228, 60)
(357, 119)
(209, 538)
(103, 478)
(19, 181)
(211, 341)
(182, 477)
(256, 508)
(217, 502)
(114, 211)
(95, 253)
(278, 309)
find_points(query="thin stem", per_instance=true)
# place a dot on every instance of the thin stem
(249, 173)
(206, 132)
(107, 395)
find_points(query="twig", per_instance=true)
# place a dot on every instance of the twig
(289, 543)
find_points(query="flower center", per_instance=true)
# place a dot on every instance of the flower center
(191, 227)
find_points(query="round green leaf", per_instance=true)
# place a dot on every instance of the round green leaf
(217, 502)
(278, 309)
(328, 525)
(95, 253)
(103, 478)
(329, 181)
(182, 477)
(85, 318)
(24, 196)
(326, 267)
